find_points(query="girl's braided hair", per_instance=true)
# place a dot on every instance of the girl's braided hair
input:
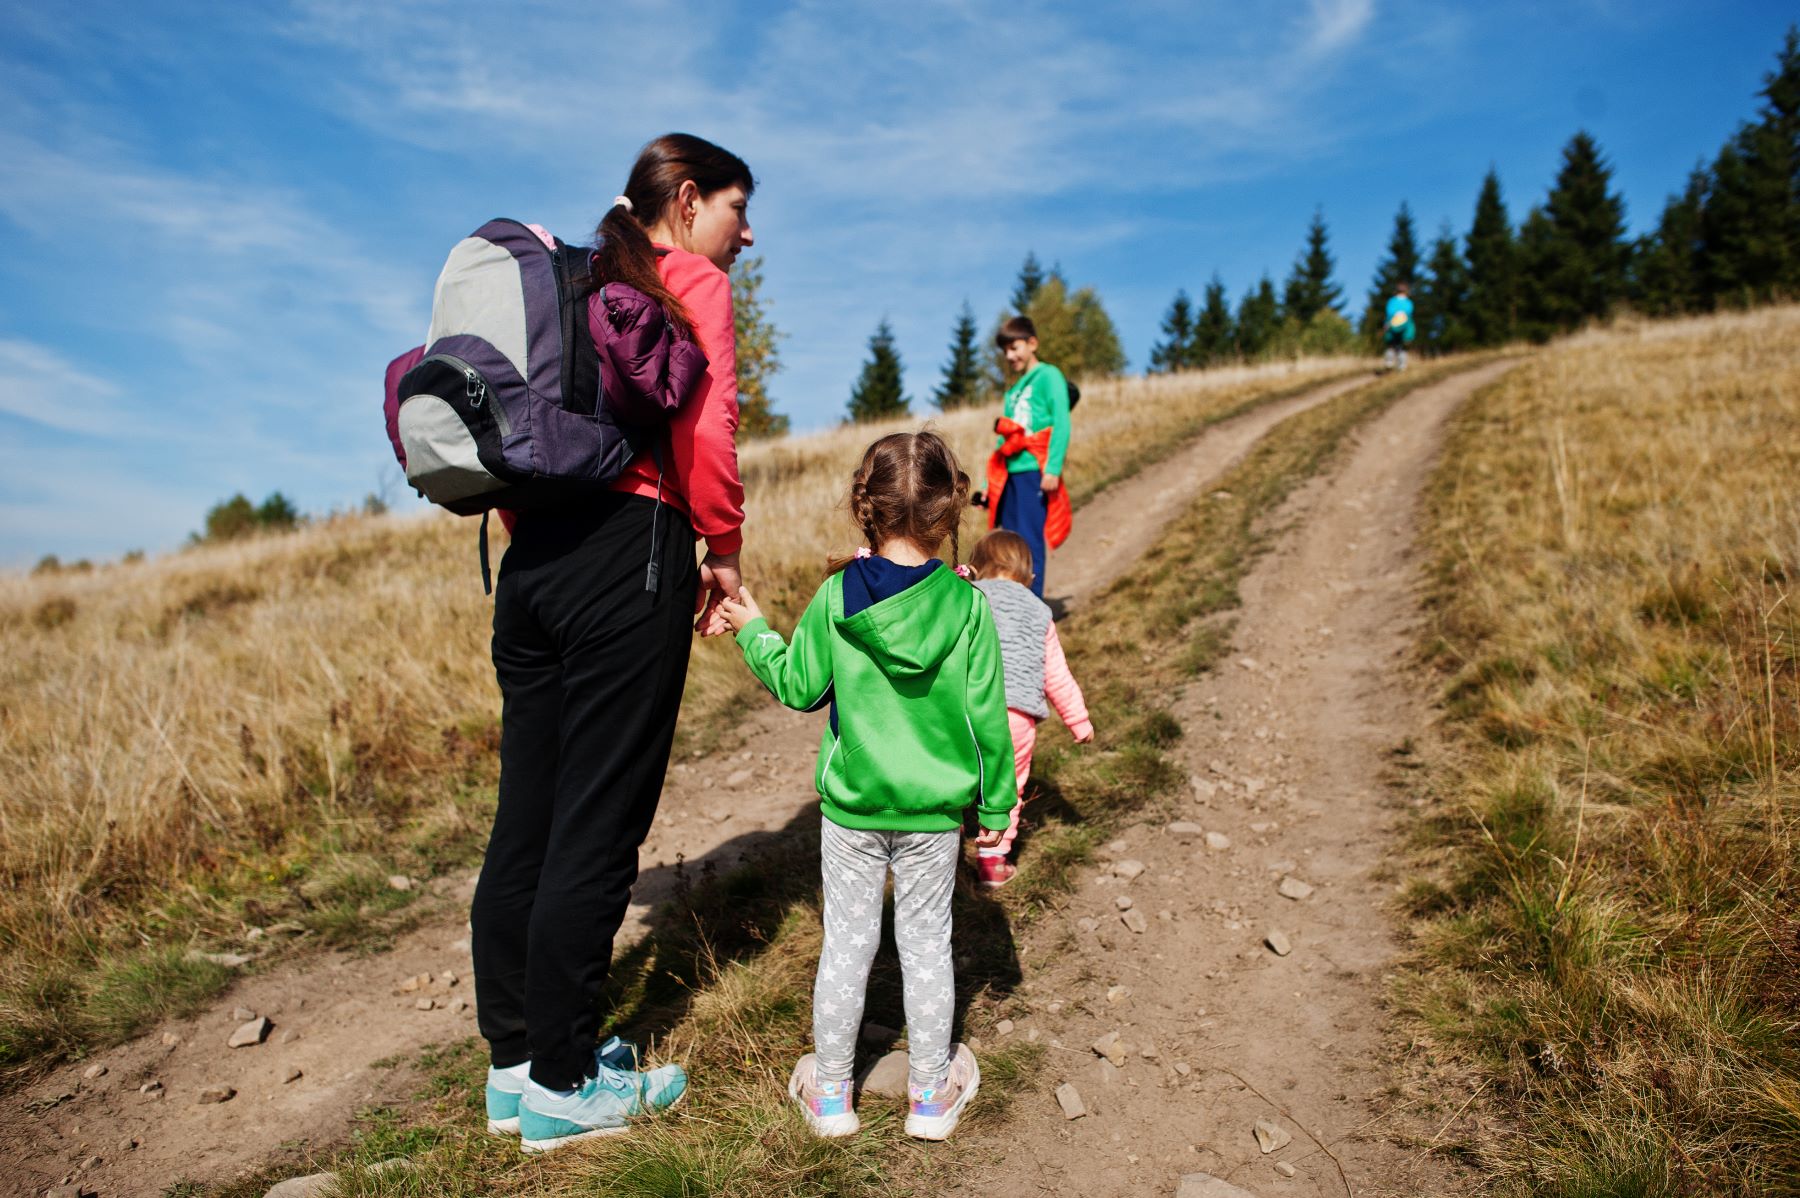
(909, 486)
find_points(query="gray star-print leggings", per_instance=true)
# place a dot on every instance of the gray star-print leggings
(856, 865)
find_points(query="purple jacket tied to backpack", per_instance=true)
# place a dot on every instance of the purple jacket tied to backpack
(533, 387)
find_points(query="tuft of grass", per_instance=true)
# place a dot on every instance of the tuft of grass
(1606, 923)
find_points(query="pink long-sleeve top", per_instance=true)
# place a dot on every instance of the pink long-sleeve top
(1061, 688)
(700, 468)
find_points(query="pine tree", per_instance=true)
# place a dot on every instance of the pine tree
(758, 353)
(1538, 253)
(1213, 332)
(1173, 352)
(1031, 278)
(1668, 269)
(878, 393)
(1309, 288)
(1401, 265)
(1750, 225)
(962, 386)
(1493, 268)
(1259, 314)
(1587, 221)
(1442, 309)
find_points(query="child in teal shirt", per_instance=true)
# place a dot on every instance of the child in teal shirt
(1038, 401)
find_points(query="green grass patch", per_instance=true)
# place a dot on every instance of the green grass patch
(1605, 913)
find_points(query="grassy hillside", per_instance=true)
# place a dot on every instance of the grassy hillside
(232, 748)
(1612, 942)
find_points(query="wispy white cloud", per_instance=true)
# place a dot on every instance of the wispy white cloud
(44, 387)
(1334, 25)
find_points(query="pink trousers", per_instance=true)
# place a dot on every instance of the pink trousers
(1024, 738)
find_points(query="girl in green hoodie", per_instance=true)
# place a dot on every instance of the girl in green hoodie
(904, 653)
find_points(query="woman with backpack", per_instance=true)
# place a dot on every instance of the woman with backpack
(593, 619)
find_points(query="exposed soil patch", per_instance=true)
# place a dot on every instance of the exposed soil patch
(348, 1022)
(1242, 976)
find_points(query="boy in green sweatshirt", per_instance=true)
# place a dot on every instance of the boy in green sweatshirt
(1037, 401)
(904, 652)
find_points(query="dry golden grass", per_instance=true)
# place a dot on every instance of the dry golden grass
(1613, 936)
(253, 736)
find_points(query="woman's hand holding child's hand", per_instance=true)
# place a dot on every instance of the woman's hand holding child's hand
(740, 611)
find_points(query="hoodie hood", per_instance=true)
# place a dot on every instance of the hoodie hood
(913, 632)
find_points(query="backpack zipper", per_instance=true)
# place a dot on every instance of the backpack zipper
(477, 392)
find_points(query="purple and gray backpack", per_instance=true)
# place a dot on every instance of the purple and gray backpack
(534, 387)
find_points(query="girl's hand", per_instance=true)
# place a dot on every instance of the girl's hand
(715, 624)
(740, 611)
(989, 838)
(1086, 737)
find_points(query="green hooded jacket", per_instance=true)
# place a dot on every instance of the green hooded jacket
(921, 704)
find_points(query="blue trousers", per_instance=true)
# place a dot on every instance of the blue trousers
(1022, 510)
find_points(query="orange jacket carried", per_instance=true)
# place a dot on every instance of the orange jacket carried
(1058, 515)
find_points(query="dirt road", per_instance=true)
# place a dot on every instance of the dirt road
(339, 1017)
(1288, 745)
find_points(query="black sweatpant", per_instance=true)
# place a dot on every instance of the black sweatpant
(591, 667)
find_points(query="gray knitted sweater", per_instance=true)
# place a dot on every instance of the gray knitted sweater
(1023, 621)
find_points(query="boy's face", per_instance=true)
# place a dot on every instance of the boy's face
(1021, 355)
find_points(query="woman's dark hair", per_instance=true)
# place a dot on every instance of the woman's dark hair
(1015, 328)
(909, 486)
(623, 253)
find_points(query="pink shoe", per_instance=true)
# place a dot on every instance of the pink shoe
(936, 1109)
(995, 871)
(827, 1105)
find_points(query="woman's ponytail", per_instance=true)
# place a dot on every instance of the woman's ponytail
(623, 252)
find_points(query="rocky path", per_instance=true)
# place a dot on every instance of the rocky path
(1212, 995)
(136, 1119)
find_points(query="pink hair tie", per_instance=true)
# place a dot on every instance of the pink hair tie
(863, 551)
(966, 572)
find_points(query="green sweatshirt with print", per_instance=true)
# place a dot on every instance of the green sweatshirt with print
(921, 704)
(1039, 400)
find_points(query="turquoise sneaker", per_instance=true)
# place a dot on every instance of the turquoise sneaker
(604, 1105)
(505, 1085)
(503, 1089)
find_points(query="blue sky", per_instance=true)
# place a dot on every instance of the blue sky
(221, 220)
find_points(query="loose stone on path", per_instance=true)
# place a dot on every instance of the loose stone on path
(1278, 942)
(887, 1076)
(1270, 1136)
(1069, 1099)
(1293, 888)
(250, 1033)
(1205, 1185)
